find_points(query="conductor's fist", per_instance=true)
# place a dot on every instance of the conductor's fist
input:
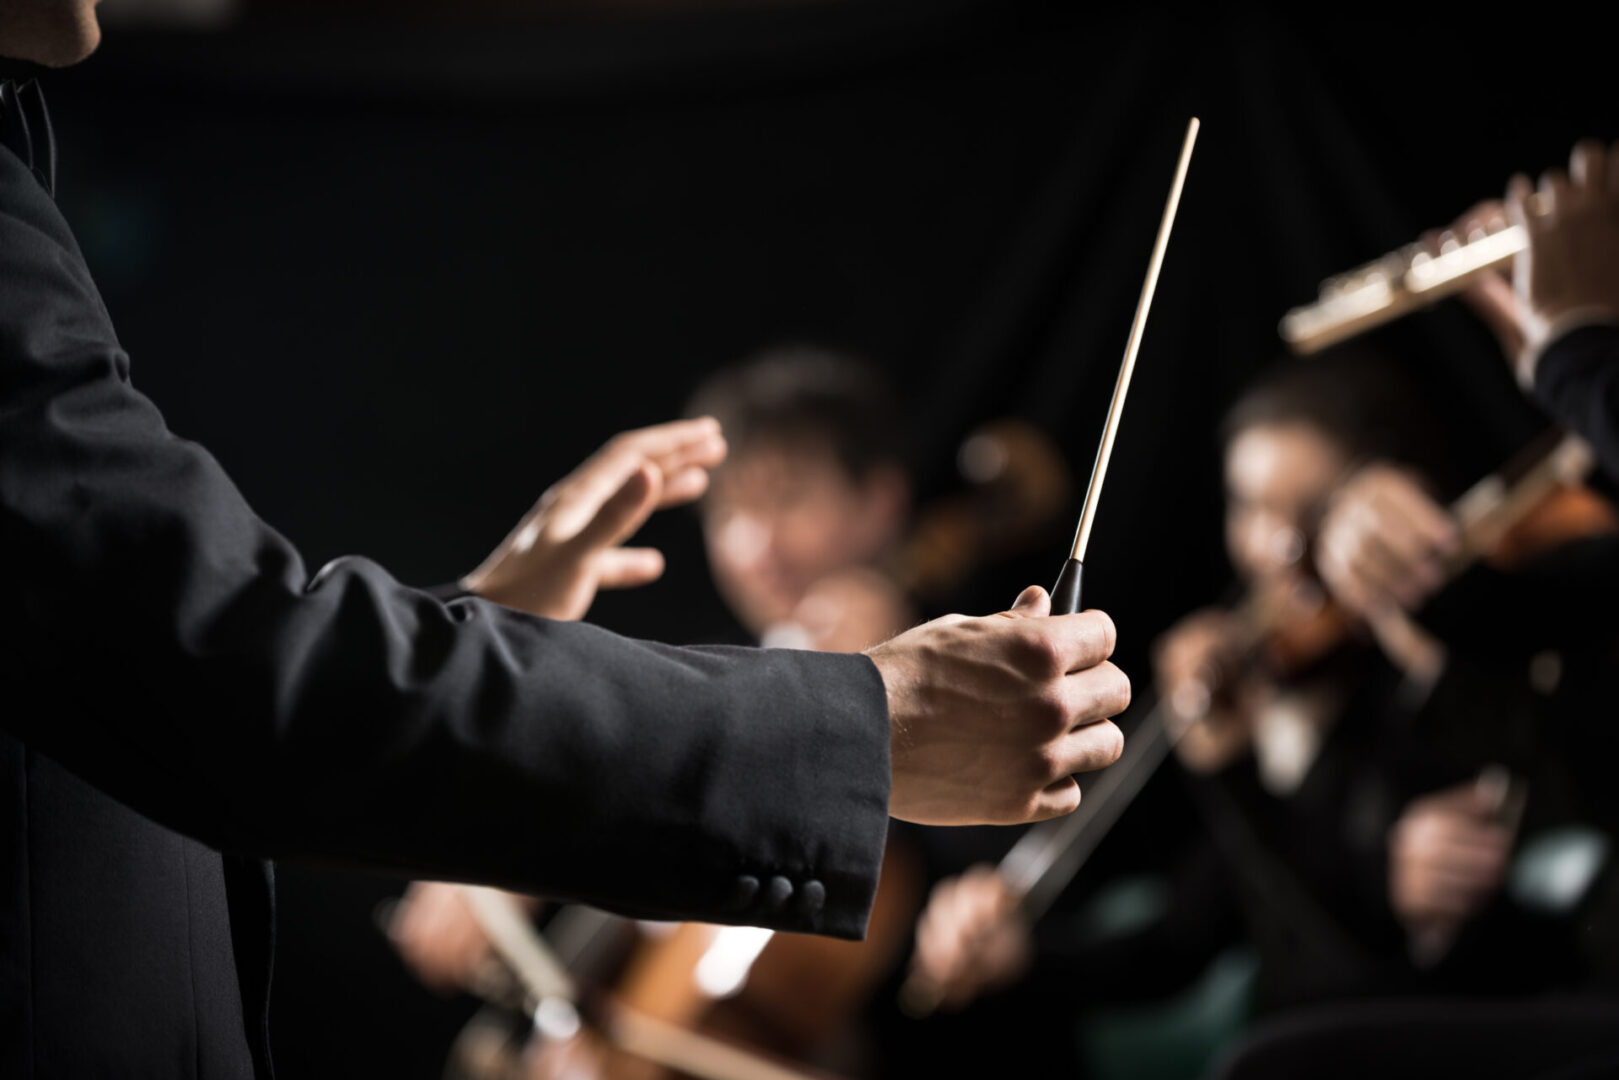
(991, 717)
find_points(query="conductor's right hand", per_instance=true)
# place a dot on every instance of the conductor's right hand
(990, 717)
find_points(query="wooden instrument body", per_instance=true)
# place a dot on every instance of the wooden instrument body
(801, 995)
(652, 1014)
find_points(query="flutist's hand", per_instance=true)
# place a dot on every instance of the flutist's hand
(1571, 265)
(570, 544)
(971, 938)
(990, 717)
(1569, 273)
(1491, 296)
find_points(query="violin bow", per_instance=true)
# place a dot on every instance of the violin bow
(1065, 595)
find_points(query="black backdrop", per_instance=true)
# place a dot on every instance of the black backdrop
(398, 276)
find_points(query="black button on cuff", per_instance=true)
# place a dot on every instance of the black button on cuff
(743, 892)
(778, 892)
(811, 898)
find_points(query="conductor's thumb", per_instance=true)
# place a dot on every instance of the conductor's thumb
(1032, 602)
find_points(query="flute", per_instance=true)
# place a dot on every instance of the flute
(1400, 282)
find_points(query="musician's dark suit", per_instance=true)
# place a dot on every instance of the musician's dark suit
(1577, 379)
(177, 685)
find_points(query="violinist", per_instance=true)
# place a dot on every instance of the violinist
(1302, 775)
(1556, 316)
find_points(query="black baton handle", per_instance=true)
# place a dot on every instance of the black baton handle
(1065, 594)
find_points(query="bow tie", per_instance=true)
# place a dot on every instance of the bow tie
(25, 128)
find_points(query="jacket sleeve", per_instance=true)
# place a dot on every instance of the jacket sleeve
(1577, 379)
(161, 640)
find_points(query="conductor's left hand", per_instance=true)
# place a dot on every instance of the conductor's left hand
(570, 544)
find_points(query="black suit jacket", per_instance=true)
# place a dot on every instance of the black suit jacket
(177, 685)
(1577, 379)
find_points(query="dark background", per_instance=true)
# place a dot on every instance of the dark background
(400, 268)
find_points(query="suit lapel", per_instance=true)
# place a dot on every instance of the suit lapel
(25, 129)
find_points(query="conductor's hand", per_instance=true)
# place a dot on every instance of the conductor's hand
(569, 544)
(990, 717)
(971, 938)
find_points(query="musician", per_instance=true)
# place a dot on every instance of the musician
(815, 495)
(1304, 778)
(187, 699)
(1558, 319)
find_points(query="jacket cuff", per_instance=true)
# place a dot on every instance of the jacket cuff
(1556, 333)
(824, 880)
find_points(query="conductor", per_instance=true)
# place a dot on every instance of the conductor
(186, 700)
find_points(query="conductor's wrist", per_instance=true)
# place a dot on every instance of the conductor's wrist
(895, 686)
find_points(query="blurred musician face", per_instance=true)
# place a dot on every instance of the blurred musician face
(50, 32)
(1277, 476)
(780, 517)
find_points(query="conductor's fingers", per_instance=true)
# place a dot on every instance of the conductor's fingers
(617, 519)
(628, 568)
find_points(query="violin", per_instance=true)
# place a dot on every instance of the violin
(1537, 501)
